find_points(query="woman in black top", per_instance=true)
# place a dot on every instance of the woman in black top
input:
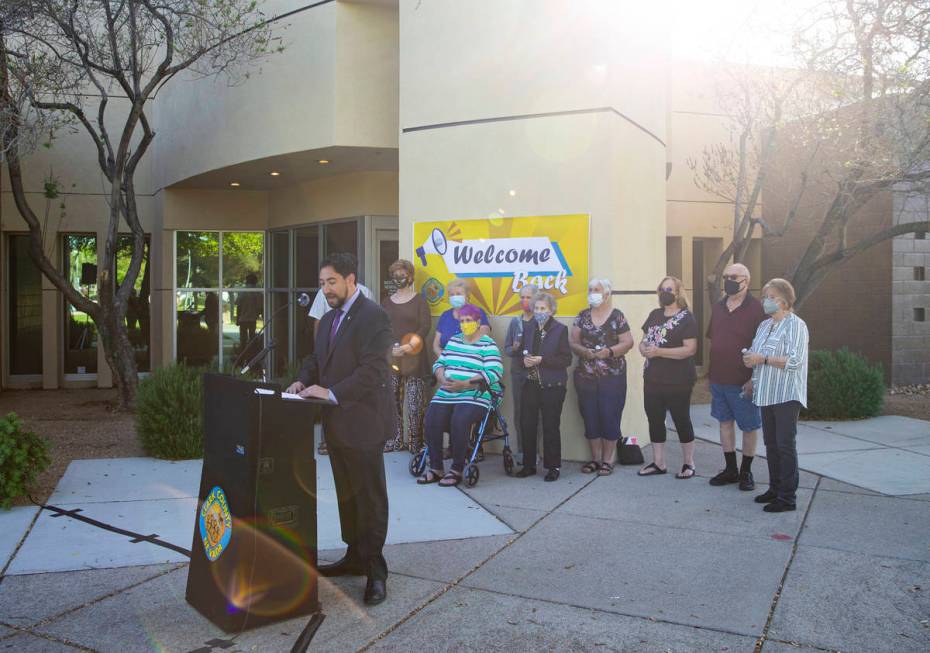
(669, 343)
(546, 356)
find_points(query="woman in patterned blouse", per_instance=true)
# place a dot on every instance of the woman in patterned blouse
(600, 337)
(459, 404)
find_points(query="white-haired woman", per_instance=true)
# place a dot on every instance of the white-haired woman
(546, 356)
(669, 343)
(600, 337)
(778, 358)
(448, 324)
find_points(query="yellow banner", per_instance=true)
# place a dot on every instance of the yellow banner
(498, 256)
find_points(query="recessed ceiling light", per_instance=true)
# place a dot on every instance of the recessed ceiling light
(275, 173)
(323, 162)
(513, 193)
(234, 184)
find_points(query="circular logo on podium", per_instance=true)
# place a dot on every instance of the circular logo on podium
(215, 523)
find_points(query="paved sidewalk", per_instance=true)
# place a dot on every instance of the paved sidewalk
(888, 454)
(618, 563)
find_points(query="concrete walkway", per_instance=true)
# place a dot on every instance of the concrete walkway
(618, 563)
(888, 454)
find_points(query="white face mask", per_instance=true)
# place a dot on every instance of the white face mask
(595, 299)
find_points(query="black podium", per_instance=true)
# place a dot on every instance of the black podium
(253, 557)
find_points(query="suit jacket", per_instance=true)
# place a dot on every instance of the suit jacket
(554, 349)
(355, 368)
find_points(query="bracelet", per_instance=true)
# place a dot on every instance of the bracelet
(766, 361)
(610, 352)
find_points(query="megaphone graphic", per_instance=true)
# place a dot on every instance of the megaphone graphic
(435, 244)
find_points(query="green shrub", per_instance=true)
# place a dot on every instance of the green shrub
(843, 385)
(169, 413)
(23, 456)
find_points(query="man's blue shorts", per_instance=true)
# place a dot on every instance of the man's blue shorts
(727, 405)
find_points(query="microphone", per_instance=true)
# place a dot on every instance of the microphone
(303, 300)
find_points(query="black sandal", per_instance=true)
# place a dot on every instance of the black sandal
(453, 478)
(655, 471)
(681, 475)
(429, 477)
(606, 469)
(590, 468)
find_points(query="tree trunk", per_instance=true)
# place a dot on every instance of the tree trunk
(120, 356)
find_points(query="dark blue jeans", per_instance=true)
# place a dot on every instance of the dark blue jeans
(779, 431)
(457, 420)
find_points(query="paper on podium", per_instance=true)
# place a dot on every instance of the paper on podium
(291, 395)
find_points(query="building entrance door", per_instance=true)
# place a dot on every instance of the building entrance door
(386, 252)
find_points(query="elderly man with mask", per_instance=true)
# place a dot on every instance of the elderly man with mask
(733, 323)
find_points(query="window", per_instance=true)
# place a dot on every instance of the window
(220, 296)
(920, 235)
(295, 269)
(920, 274)
(25, 307)
(80, 332)
(920, 315)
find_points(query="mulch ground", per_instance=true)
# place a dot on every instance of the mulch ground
(77, 424)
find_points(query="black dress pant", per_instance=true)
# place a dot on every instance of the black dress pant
(361, 493)
(676, 400)
(779, 433)
(536, 399)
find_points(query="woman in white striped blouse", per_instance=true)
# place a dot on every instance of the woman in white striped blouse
(778, 358)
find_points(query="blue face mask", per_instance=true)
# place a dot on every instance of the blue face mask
(770, 306)
(541, 318)
(457, 301)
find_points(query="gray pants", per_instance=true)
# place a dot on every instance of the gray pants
(779, 431)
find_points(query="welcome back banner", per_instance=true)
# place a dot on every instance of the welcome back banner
(498, 256)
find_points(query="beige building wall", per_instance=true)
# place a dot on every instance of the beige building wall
(334, 84)
(526, 97)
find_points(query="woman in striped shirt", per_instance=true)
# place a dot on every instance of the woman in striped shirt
(459, 405)
(778, 358)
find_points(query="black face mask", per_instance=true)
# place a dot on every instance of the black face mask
(731, 286)
(401, 282)
(666, 298)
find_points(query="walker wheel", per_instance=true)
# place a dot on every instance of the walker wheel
(471, 475)
(508, 462)
(417, 463)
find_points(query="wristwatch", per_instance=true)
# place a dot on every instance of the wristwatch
(766, 361)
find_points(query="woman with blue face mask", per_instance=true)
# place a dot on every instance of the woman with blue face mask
(448, 324)
(778, 359)
(546, 356)
(600, 337)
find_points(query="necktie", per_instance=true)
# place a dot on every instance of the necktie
(337, 318)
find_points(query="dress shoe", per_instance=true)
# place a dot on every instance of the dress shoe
(525, 472)
(766, 497)
(375, 591)
(343, 567)
(725, 477)
(779, 506)
(552, 475)
(746, 482)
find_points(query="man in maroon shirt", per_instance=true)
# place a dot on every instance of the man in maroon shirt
(733, 323)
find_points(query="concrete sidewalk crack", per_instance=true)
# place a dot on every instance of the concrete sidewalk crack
(18, 630)
(760, 642)
(19, 545)
(455, 583)
(44, 622)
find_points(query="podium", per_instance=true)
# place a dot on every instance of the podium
(254, 551)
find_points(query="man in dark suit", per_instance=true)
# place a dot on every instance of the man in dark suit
(349, 367)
